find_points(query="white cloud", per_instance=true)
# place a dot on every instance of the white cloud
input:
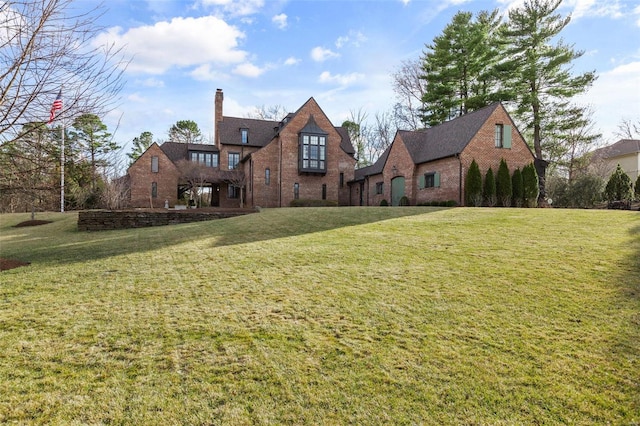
(235, 8)
(136, 97)
(205, 73)
(152, 82)
(340, 79)
(280, 21)
(292, 61)
(320, 54)
(182, 42)
(248, 70)
(614, 96)
(355, 38)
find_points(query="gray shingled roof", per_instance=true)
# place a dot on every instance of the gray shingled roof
(260, 131)
(620, 148)
(441, 141)
(446, 139)
(179, 151)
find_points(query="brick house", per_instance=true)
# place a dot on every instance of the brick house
(265, 163)
(431, 164)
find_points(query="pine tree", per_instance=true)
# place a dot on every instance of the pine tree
(489, 189)
(619, 186)
(140, 145)
(530, 185)
(185, 131)
(541, 80)
(517, 184)
(473, 186)
(458, 68)
(504, 190)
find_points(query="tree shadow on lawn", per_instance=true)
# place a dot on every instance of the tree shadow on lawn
(69, 245)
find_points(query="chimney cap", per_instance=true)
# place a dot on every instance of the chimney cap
(218, 90)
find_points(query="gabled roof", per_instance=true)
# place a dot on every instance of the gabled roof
(260, 131)
(446, 139)
(618, 149)
(441, 141)
(180, 151)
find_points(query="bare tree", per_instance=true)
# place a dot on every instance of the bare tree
(629, 129)
(410, 89)
(196, 176)
(271, 112)
(47, 47)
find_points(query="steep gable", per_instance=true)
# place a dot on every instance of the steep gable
(447, 139)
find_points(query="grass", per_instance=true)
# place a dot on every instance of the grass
(325, 316)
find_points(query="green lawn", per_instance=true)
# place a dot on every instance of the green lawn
(325, 316)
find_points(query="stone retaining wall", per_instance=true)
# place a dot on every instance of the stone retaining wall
(102, 220)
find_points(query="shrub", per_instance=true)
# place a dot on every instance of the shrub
(489, 189)
(637, 188)
(618, 187)
(504, 190)
(530, 185)
(384, 203)
(313, 203)
(404, 201)
(473, 186)
(584, 192)
(517, 185)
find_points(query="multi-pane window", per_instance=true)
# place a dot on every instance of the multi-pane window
(209, 159)
(499, 135)
(267, 176)
(430, 180)
(233, 191)
(234, 159)
(245, 135)
(154, 164)
(379, 187)
(313, 153)
(503, 136)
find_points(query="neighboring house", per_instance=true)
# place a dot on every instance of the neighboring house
(431, 164)
(267, 163)
(625, 152)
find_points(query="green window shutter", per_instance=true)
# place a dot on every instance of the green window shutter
(507, 137)
(436, 179)
(421, 182)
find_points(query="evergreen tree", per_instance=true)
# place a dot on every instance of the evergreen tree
(489, 189)
(541, 79)
(140, 145)
(530, 185)
(504, 191)
(458, 67)
(473, 186)
(637, 188)
(517, 185)
(89, 135)
(185, 131)
(619, 186)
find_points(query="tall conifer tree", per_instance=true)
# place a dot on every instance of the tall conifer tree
(539, 69)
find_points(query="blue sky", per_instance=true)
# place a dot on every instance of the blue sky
(342, 53)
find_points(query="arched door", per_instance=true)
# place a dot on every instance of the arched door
(397, 190)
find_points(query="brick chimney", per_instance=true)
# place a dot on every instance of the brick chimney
(217, 118)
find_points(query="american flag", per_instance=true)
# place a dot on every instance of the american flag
(57, 105)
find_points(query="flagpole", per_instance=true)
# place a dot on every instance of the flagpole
(62, 168)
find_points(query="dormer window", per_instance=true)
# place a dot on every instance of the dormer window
(244, 134)
(312, 148)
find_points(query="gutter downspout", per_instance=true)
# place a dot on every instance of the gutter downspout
(460, 181)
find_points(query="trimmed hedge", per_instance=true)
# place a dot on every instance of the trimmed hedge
(448, 203)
